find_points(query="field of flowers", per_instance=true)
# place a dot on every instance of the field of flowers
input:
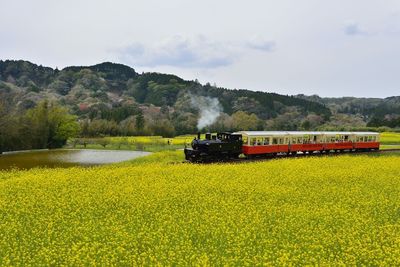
(389, 138)
(154, 210)
(178, 140)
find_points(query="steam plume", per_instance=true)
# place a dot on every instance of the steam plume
(209, 108)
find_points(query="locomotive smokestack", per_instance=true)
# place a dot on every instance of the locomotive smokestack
(198, 136)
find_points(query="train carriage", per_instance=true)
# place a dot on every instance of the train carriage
(366, 141)
(338, 141)
(305, 142)
(270, 143)
(255, 143)
(292, 142)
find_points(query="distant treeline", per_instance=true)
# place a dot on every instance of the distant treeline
(49, 125)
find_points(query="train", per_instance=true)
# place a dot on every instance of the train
(257, 144)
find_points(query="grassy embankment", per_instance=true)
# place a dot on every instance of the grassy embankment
(320, 210)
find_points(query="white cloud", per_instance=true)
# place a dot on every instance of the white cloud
(259, 43)
(179, 51)
(352, 28)
(195, 52)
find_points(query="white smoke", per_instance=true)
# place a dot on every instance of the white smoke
(209, 109)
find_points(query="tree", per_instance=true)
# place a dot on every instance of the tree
(165, 112)
(62, 126)
(287, 121)
(127, 126)
(245, 121)
(102, 128)
(50, 125)
(343, 122)
(104, 142)
(311, 122)
(224, 123)
(84, 125)
(249, 105)
(184, 122)
(139, 123)
(162, 127)
(37, 124)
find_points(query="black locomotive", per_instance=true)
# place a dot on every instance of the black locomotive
(215, 147)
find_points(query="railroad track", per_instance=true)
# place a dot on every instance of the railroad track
(298, 155)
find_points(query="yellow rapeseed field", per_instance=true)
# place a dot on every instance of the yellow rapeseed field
(318, 210)
(178, 140)
(390, 138)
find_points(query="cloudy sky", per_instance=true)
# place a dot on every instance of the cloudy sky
(330, 48)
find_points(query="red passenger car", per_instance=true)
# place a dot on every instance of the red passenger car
(271, 143)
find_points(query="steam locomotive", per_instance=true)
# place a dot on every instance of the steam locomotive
(215, 147)
(222, 146)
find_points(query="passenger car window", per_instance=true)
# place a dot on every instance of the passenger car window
(245, 140)
(260, 141)
(253, 141)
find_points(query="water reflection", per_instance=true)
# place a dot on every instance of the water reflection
(66, 158)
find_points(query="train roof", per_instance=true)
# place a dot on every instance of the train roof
(365, 133)
(280, 133)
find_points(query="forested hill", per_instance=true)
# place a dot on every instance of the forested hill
(375, 111)
(115, 92)
(107, 82)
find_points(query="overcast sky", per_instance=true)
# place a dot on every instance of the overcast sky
(329, 48)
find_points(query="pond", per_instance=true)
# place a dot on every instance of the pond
(65, 158)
